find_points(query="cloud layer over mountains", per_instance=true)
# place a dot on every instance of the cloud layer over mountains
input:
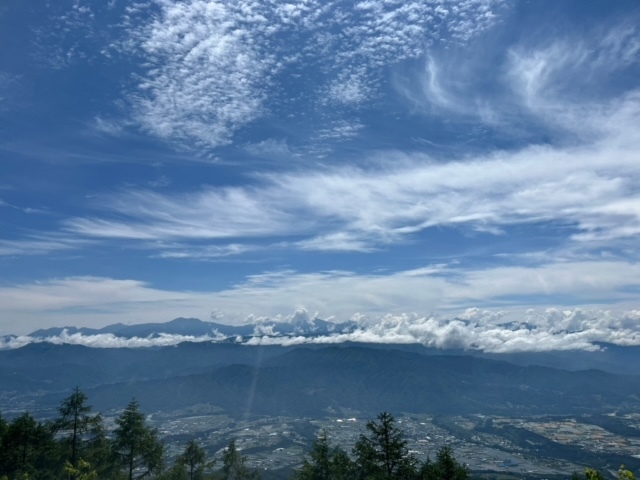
(473, 329)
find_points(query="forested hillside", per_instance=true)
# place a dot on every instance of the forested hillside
(307, 380)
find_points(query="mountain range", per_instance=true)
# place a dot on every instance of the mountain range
(608, 357)
(299, 325)
(224, 368)
(309, 381)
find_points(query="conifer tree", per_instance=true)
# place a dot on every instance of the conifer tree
(136, 445)
(98, 451)
(446, 467)
(83, 471)
(27, 449)
(76, 422)
(193, 458)
(233, 465)
(384, 454)
(4, 426)
(325, 462)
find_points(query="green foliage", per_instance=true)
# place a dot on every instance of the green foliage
(233, 465)
(176, 472)
(4, 426)
(325, 462)
(624, 474)
(83, 451)
(592, 474)
(136, 446)
(76, 425)
(28, 449)
(383, 454)
(446, 467)
(99, 451)
(81, 471)
(192, 463)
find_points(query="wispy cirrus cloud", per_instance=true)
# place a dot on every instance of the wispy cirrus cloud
(9, 86)
(41, 245)
(202, 252)
(271, 149)
(210, 214)
(591, 189)
(379, 34)
(588, 181)
(561, 85)
(337, 241)
(20, 208)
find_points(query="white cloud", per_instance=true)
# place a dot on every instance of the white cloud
(106, 340)
(93, 301)
(230, 212)
(348, 88)
(376, 35)
(270, 148)
(560, 85)
(208, 69)
(90, 301)
(213, 67)
(40, 245)
(591, 188)
(472, 329)
(201, 252)
(339, 130)
(108, 126)
(338, 241)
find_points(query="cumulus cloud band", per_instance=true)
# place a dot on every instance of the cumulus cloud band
(473, 329)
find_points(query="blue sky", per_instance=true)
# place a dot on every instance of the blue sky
(377, 158)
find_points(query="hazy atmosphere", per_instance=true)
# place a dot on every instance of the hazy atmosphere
(458, 174)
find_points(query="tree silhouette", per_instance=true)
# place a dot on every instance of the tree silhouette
(4, 426)
(325, 462)
(384, 454)
(76, 421)
(27, 449)
(136, 445)
(193, 458)
(446, 467)
(233, 465)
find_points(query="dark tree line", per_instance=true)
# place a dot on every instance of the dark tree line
(382, 454)
(76, 446)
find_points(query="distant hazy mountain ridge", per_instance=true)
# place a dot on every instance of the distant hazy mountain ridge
(193, 327)
(308, 380)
